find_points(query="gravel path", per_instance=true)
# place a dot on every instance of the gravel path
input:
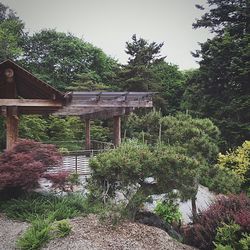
(9, 232)
(89, 234)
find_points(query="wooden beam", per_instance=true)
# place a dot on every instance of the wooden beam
(112, 104)
(117, 130)
(30, 103)
(87, 134)
(12, 122)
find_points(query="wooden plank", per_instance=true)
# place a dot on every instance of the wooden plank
(30, 103)
(87, 134)
(111, 104)
(117, 130)
(12, 128)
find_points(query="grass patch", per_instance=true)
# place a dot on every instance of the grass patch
(48, 216)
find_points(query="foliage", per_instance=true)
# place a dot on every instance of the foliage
(121, 168)
(33, 127)
(147, 71)
(168, 211)
(48, 215)
(226, 234)
(11, 34)
(143, 53)
(23, 165)
(237, 161)
(219, 180)
(41, 231)
(234, 208)
(170, 87)
(59, 58)
(181, 148)
(36, 235)
(87, 82)
(61, 228)
(245, 241)
(220, 88)
(198, 136)
(125, 169)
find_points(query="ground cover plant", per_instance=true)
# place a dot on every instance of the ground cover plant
(47, 214)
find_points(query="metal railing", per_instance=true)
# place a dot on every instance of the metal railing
(77, 161)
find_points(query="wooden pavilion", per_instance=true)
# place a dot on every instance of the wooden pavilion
(23, 93)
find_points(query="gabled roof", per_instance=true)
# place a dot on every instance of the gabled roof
(27, 85)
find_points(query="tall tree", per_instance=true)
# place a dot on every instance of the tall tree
(11, 34)
(147, 71)
(59, 58)
(137, 74)
(220, 89)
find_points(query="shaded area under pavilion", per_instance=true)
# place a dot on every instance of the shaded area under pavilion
(21, 93)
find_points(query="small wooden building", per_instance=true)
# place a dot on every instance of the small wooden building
(23, 93)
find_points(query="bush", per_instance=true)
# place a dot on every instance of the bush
(168, 211)
(121, 168)
(61, 228)
(36, 235)
(31, 206)
(22, 166)
(227, 234)
(238, 161)
(234, 208)
(41, 231)
(245, 241)
(221, 181)
(229, 237)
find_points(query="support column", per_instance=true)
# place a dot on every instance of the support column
(12, 122)
(117, 130)
(87, 134)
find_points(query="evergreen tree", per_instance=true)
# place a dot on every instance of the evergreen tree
(220, 89)
(11, 34)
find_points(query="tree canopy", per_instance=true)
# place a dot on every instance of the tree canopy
(220, 88)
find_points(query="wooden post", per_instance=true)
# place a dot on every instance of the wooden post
(12, 121)
(87, 134)
(117, 130)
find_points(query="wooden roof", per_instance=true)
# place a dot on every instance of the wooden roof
(27, 85)
(29, 95)
(104, 105)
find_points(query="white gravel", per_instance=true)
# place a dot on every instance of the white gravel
(9, 232)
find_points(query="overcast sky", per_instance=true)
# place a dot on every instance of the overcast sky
(108, 24)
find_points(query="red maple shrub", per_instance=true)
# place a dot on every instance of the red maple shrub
(22, 166)
(226, 209)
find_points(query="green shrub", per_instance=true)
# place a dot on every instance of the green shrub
(29, 207)
(61, 228)
(221, 247)
(220, 180)
(36, 235)
(245, 241)
(227, 234)
(168, 211)
(229, 237)
(238, 161)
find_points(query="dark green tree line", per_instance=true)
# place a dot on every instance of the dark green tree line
(220, 89)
